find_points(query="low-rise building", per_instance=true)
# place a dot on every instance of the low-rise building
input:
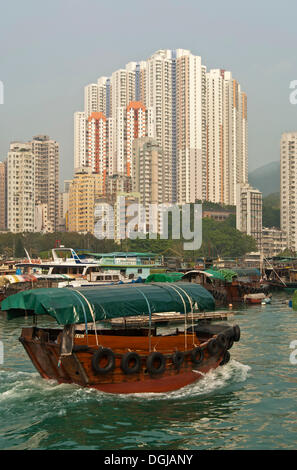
(274, 241)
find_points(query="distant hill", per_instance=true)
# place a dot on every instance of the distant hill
(271, 210)
(266, 178)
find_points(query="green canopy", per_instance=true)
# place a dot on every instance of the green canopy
(223, 274)
(164, 277)
(69, 306)
(247, 272)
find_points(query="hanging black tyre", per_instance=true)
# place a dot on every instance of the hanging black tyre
(103, 361)
(225, 359)
(177, 359)
(213, 347)
(155, 363)
(131, 363)
(222, 341)
(236, 333)
(230, 343)
(197, 356)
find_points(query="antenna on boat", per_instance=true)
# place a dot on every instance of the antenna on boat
(28, 256)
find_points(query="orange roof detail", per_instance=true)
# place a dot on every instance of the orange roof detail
(97, 116)
(135, 105)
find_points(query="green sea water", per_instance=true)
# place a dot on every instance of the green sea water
(251, 403)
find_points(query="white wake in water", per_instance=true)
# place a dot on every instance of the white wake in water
(15, 386)
(214, 380)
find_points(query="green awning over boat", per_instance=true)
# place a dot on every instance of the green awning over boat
(164, 277)
(247, 272)
(73, 306)
(222, 274)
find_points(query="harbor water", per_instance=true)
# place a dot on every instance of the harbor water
(251, 403)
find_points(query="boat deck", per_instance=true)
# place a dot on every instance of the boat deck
(168, 318)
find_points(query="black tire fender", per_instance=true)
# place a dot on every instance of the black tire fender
(103, 353)
(222, 340)
(127, 358)
(236, 333)
(177, 359)
(225, 359)
(230, 343)
(197, 356)
(213, 347)
(155, 357)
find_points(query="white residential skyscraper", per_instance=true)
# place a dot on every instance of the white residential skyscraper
(288, 182)
(33, 180)
(80, 140)
(198, 118)
(21, 166)
(226, 155)
(47, 156)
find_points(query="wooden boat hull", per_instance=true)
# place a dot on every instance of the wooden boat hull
(157, 385)
(44, 352)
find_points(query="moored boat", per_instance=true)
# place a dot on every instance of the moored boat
(122, 360)
(256, 298)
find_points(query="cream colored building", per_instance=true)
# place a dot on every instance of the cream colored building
(112, 216)
(21, 188)
(80, 140)
(42, 222)
(3, 214)
(148, 171)
(47, 161)
(274, 241)
(226, 156)
(249, 212)
(288, 186)
(84, 189)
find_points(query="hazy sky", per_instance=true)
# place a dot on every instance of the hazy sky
(50, 50)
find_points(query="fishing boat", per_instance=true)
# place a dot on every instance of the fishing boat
(256, 299)
(228, 286)
(122, 360)
(93, 269)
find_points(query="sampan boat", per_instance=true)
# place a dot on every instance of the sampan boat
(122, 360)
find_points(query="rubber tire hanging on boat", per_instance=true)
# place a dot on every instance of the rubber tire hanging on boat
(225, 359)
(100, 354)
(236, 333)
(126, 359)
(155, 356)
(177, 359)
(194, 354)
(222, 340)
(213, 347)
(230, 343)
